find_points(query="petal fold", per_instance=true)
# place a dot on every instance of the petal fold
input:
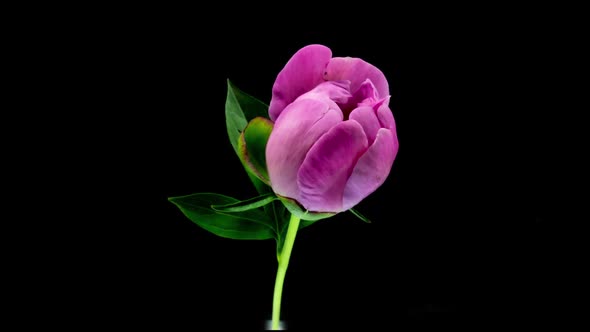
(367, 118)
(302, 123)
(328, 166)
(371, 170)
(356, 71)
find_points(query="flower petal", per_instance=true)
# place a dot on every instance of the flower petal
(303, 72)
(366, 94)
(365, 115)
(300, 125)
(356, 71)
(372, 169)
(337, 91)
(384, 114)
(328, 165)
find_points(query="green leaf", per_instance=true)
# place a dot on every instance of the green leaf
(261, 187)
(246, 205)
(247, 225)
(252, 147)
(307, 217)
(240, 108)
(360, 216)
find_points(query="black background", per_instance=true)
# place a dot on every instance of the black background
(448, 240)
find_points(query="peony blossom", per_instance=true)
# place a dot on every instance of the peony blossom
(334, 138)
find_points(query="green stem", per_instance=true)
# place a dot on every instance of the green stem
(282, 270)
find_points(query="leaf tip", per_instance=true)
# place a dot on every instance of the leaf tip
(360, 216)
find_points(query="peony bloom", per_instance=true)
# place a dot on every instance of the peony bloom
(334, 138)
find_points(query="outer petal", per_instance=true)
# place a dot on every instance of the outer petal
(300, 125)
(328, 166)
(356, 71)
(384, 115)
(371, 170)
(302, 73)
(365, 115)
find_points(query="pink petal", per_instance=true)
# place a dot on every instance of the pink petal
(366, 94)
(365, 115)
(371, 170)
(384, 115)
(303, 72)
(337, 91)
(300, 125)
(328, 165)
(356, 71)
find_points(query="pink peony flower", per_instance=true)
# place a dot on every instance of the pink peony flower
(334, 138)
